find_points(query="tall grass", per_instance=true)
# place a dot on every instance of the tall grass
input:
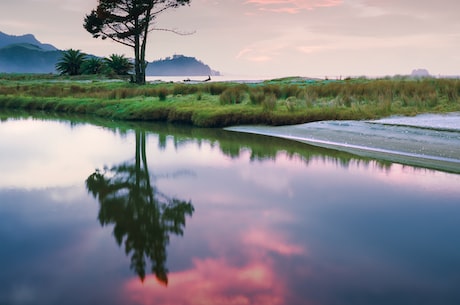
(221, 104)
(233, 95)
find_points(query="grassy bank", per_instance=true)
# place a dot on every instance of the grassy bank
(277, 102)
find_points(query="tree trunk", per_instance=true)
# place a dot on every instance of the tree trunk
(139, 79)
(143, 64)
(137, 60)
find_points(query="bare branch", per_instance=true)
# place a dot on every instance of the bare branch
(128, 22)
(175, 31)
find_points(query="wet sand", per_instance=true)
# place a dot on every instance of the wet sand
(419, 146)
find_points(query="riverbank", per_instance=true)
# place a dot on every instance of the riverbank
(429, 141)
(285, 101)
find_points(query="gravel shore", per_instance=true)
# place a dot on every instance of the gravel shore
(417, 141)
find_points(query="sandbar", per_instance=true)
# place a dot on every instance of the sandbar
(420, 143)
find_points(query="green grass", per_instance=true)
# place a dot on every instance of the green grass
(276, 102)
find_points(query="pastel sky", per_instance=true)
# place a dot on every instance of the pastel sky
(273, 37)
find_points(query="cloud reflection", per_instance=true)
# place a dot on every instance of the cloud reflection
(213, 281)
(271, 241)
(248, 273)
(38, 146)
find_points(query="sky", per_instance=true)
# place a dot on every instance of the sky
(311, 38)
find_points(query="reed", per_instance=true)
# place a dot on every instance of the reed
(233, 95)
(288, 101)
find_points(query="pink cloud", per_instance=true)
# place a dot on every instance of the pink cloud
(292, 6)
(260, 52)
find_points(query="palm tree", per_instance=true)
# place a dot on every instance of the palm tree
(119, 64)
(71, 62)
(93, 65)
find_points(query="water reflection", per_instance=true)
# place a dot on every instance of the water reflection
(276, 222)
(142, 216)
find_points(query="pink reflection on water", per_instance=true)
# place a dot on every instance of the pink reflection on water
(246, 271)
(212, 281)
(271, 241)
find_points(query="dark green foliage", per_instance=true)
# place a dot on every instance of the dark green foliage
(128, 22)
(71, 62)
(142, 217)
(93, 65)
(119, 64)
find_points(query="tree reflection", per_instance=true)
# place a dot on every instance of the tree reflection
(143, 217)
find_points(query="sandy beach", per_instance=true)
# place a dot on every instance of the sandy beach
(429, 141)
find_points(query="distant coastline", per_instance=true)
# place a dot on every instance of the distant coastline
(25, 54)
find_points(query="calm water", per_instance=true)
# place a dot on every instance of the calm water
(155, 214)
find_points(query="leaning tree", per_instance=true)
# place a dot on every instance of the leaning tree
(129, 22)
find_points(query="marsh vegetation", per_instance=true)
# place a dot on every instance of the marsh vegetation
(217, 104)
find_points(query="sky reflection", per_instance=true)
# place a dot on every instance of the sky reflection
(272, 223)
(213, 281)
(57, 149)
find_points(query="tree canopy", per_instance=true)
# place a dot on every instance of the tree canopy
(71, 62)
(129, 22)
(143, 217)
(119, 64)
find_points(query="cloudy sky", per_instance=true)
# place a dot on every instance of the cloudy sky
(273, 37)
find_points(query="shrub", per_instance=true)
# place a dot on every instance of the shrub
(162, 94)
(232, 95)
(291, 103)
(216, 88)
(344, 100)
(184, 89)
(273, 89)
(309, 97)
(256, 96)
(290, 90)
(269, 102)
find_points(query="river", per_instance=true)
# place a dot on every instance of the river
(101, 212)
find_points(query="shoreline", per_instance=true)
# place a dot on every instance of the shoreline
(277, 102)
(409, 145)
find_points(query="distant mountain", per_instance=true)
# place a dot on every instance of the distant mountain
(179, 65)
(6, 40)
(420, 73)
(25, 54)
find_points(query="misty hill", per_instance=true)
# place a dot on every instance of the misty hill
(420, 73)
(6, 40)
(28, 58)
(25, 54)
(179, 65)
